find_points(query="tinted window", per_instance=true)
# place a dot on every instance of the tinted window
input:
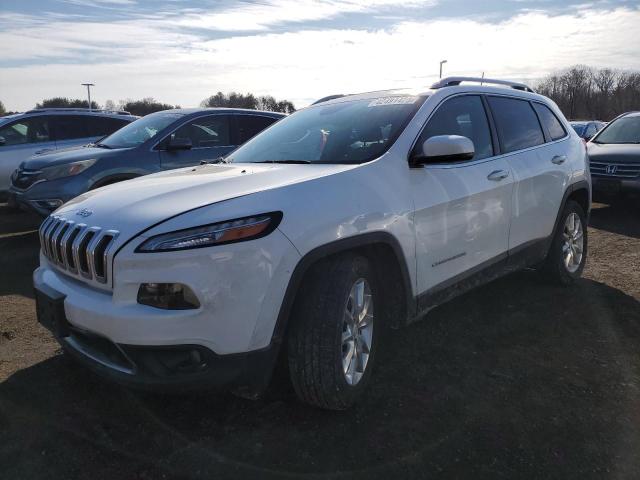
(517, 123)
(30, 130)
(352, 131)
(551, 122)
(591, 130)
(250, 125)
(69, 127)
(101, 126)
(464, 116)
(212, 131)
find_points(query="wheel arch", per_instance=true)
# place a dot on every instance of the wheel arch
(579, 192)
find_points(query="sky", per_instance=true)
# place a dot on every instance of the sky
(182, 51)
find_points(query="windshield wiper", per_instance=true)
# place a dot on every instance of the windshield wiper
(301, 162)
(101, 145)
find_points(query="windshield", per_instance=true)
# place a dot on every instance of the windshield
(347, 132)
(622, 130)
(139, 131)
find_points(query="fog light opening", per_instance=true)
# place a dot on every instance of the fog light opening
(168, 296)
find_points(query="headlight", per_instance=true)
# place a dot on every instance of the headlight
(66, 170)
(239, 230)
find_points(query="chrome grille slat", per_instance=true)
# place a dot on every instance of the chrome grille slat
(80, 250)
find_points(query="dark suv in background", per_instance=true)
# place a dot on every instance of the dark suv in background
(23, 135)
(614, 158)
(587, 129)
(159, 141)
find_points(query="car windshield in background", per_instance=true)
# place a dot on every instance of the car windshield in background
(623, 130)
(579, 128)
(347, 132)
(139, 131)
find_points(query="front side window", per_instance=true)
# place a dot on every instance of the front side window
(204, 132)
(347, 132)
(517, 124)
(551, 122)
(465, 116)
(141, 130)
(29, 130)
(622, 130)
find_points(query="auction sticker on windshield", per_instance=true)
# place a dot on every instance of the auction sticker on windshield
(378, 102)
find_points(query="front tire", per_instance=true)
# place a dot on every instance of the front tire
(333, 336)
(568, 253)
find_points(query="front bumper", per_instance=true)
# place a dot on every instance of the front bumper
(610, 186)
(63, 189)
(168, 368)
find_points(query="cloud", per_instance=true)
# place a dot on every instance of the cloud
(151, 56)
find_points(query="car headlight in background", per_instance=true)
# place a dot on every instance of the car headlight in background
(239, 230)
(66, 170)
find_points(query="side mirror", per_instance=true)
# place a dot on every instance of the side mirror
(443, 148)
(2, 141)
(177, 143)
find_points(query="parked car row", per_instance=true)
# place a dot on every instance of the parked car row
(587, 129)
(356, 214)
(160, 141)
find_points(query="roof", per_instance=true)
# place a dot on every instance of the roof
(189, 111)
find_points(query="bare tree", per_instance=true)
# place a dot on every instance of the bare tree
(249, 101)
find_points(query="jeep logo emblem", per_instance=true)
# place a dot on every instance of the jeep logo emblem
(85, 212)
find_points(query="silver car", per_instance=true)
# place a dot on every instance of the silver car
(45, 130)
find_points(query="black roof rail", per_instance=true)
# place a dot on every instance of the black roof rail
(453, 81)
(77, 109)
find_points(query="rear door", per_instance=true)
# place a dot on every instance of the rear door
(462, 209)
(21, 139)
(537, 158)
(210, 135)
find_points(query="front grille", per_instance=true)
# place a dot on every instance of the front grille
(615, 170)
(24, 179)
(77, 248)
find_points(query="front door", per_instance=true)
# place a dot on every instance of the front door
(210, 138)
(462, 209)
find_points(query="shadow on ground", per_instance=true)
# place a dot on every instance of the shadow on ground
(517, 379)
(620, 218)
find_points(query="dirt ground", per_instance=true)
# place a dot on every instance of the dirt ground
(517, 379)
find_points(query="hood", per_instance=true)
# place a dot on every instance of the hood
(68, 155)
(613, 153)
(132, 206)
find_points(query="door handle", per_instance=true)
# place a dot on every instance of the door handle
(498, 175)
(559, 159)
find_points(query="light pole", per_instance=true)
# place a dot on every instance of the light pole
(441, 63)
(89, 85)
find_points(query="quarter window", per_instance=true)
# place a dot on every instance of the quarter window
(29, 130)
(212, 131)
(552, 124)
(101, 126)
(465, 116)
(516, 122)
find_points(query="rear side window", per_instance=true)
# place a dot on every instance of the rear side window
(250, 125)
(204, 132)
(516, 122)
(101, 126)
(29, 130)
(551, 122)
(464, 115)
(70, 127)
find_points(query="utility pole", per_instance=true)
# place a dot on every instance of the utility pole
(88, 85)
(442, 62)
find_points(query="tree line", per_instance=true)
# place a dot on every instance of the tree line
(149, 105)
(587, 93)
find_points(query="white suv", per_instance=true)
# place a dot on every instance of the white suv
(353, 215)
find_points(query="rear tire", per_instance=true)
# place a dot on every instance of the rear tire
(333, 337)
(568, 252)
